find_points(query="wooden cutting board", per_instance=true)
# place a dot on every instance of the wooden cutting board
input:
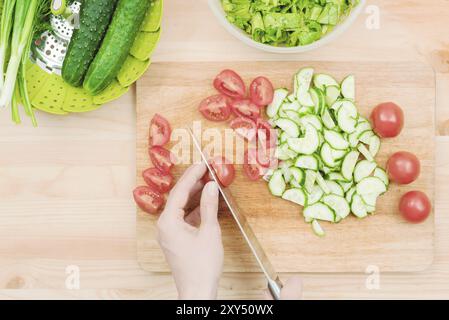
(383, 240)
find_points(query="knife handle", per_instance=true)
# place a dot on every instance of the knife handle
(275, 287)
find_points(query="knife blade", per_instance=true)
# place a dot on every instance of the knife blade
(274, 283)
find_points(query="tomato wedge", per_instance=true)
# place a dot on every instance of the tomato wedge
(250, 166)
(224, 170)
(160, 131)
(230, 84)
(148, 199)
(265, 157)
(244, 127)
(245, 108)
(266, 134)
(215, 108)
(161, 158)
(261, 91)
(158, 180)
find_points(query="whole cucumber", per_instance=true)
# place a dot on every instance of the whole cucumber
(116, 45)
(95, 17)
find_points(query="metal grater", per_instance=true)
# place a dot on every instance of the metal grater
(49, 50)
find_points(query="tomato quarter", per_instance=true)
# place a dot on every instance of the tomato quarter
(148, 199)
(158, 180)
(251, 167)
(266, 134)
(403, 167)
(388, 120)
(161, 158)
(160, 131)
(224, 170)
(215, 108)
(261, 91)
(230, 84)
(415, 206)
(244, 127)
(245, 108)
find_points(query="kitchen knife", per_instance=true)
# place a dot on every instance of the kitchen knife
(274, 283)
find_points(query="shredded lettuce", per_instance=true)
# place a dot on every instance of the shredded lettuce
(288, 23)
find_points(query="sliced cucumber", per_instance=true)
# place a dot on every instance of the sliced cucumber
(319, 100)
(297, 175)
(349, 163)
(349, 194)
(382, 175)
(335, 188)
(319, 211)
(335, 140)
(277, 184)
(303, 81)
(288, 126)
(374, 145)
(365, 152)
(370, 199)
(308, 144)
(278, 99)
(327, 155)
(366, 136)
(313, 120)
(317, 229)
(307, 162)
(332, 94)
(310, 180)
(321, 81)
(347, 117)
(322, 183)
(363, 169)
(371, 185)
(338, 204)
(348, 87)
(297, 196)
(328, 121)
(315, 195)
(358, 207)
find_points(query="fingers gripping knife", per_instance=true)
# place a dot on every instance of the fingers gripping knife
(274, 283)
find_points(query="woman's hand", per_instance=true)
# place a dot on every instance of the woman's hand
(191, 241)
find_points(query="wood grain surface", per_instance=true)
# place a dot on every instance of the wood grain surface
(384, 240)
(65, 187)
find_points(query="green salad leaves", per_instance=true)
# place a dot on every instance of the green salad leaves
(288, 23)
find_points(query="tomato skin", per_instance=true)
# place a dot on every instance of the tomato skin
(265, 157)
(148, 199)
(387, 120)
(261, 91)
(215, 108)
(250, 166)
(403, 167)
(224, 170)
(415, 206)
(158, 180)
(244, 127)
(266, 134)
(160, 131)
(245, 108)
(230, 84)
(161, 158)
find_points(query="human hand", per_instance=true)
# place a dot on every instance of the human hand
(191, 241)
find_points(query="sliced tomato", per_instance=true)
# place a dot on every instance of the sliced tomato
(230, 84)
(148, 199)
(158, 180)
(224, 170)
(266, 134)
(161, 158)
(250, 166)
(160, 131)
(215, 108)
(265, 157)
(261, 91)
(244, 127)
(245, 108)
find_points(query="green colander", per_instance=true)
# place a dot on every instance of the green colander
(47, 90)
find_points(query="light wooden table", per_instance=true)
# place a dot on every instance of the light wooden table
(65, 188)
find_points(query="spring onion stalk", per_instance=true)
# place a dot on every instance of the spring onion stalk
(7, 19)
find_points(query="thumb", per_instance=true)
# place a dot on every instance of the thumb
(209, 206)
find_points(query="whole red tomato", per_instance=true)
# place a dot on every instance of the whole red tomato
(415, 206)
(387, 120)
(403, 167)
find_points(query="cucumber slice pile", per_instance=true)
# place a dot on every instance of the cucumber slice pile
(327, 150)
